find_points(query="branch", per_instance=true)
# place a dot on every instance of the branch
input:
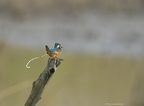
(39, 84)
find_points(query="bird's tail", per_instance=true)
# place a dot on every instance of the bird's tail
(47, 49)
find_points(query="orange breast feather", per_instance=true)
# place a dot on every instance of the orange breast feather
(55, 53)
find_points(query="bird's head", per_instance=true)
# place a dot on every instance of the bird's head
(58, 45)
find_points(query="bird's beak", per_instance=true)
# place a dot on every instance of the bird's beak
(61, 47)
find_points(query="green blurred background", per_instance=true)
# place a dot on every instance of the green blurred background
(103, 44)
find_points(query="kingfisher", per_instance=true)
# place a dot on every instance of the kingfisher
(56, 50)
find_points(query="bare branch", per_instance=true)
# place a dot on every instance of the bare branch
(39, 84)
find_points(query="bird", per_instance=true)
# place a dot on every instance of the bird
(56, 50)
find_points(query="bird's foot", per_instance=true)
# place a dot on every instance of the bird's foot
(54, 57)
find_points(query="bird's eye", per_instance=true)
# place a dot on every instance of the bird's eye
(58, 46)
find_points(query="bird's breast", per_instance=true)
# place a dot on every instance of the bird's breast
(55, 53)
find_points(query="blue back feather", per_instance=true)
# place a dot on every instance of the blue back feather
(52, 50)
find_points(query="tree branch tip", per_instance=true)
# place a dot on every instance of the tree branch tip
(60, 59)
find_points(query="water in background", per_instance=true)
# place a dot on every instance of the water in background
(88, 31)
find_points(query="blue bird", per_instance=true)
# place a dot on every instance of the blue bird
(53, 52)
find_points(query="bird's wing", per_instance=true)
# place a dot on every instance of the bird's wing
(47, 49)
(52, 50)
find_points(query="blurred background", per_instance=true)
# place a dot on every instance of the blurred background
(103, 44)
